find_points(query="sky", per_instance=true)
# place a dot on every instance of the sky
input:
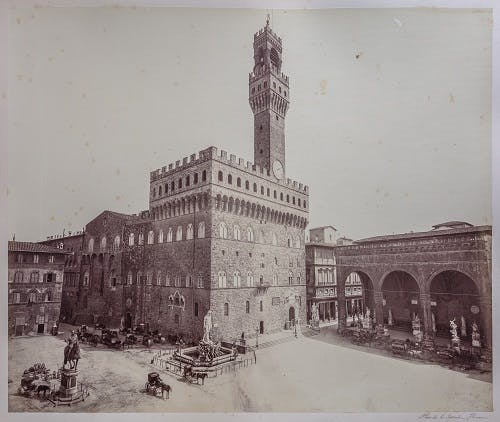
(389, 122)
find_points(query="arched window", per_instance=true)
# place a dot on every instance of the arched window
(238, 182)
(289, 242)
(201, 230)
(159, 190)
(237, 279)
(18, 277)
(290, 278)
(172, 186)
(160, 236)
(188, 180)
(116, 243)
(34, 277)
(103, 243)
(230, 179)
(138, 278)
(189, 281)
(255, 187)
(141, 239)
(195, 178)
(247, 306)
(223, 230)
(195, 308)
(179, 233)
(129, 278)
(275, 239)
(151, 237)
(287, 198)
(204, 176)
(220, 176)
(236, 232)
(298, 279)
(158, 278)
(86, 279)
(166, 188)
(281, 196)
(179, 183)
(222, 279)
(170, 234)
(167, 280)
(90, 245)
(249, 234)
(274, 194)
(247, 185)
(249, 279)
(32, 297)
(149, 278)
(131, 239)
(262, 190)
(189, 232)
(226, 309)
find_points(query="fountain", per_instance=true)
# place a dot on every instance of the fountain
(208, 353)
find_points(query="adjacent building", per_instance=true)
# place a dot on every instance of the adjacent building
(35, 278)
(321, 276)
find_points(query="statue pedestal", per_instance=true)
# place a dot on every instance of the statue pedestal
(68, 388)
(69, 391)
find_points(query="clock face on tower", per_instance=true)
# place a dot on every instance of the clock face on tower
(278, 169)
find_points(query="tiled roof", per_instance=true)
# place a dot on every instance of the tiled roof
(33, 247)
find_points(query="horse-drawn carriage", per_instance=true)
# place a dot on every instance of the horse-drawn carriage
(36, 379)
(190, 375)
(155, 385)
(110, 338)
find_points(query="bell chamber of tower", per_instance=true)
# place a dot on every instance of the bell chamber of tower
(269, 99)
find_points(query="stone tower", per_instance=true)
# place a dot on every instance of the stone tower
(269, 99)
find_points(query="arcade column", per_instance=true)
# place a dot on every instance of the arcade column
(379, 306)
(485, 320)
(341, 307)
(425, 309)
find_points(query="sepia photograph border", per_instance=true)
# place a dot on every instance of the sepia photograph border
(289, 417)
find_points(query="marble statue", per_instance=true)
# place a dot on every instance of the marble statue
(207, 326)
(433, 318)
(389, 319)
(476, 335)
(453, 330)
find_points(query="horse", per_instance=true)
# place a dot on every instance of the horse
(44, 388)
(165, 387)
(71, 355)
(201, 375)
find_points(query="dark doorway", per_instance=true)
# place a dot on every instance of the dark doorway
(128, 320)
(291, 314)
(41, 328)
(261, 327)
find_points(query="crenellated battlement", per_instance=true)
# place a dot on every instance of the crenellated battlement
(213, 153)
(265, 70)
